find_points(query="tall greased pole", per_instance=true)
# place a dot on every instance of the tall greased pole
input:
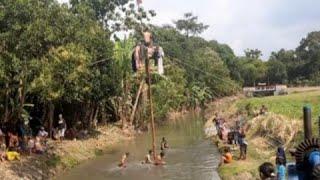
(148, 43)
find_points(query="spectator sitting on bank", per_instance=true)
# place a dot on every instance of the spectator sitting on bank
(13, 142)
(2, 151)
(263, 110)
(267, 171)
(43, 133)
(226, 157)
(31, 145)
(39, 149)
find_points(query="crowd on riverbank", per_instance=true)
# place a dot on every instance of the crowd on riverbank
(58, 154)
(231, 134)
(20, 139)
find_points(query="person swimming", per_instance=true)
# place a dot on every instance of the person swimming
(160, 159)
(147, 158)
(123, 161)
(164, 144)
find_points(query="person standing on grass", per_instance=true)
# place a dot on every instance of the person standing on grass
(281, 155)
(243, 145)
(281, 169)
(62, 126)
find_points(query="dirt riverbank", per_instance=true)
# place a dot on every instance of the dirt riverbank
(64, 155)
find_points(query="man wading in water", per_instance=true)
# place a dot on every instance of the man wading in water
(164, 144)
(147, 158)
(123, 161)
(160, 159)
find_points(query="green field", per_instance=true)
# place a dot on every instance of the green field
(289, 105)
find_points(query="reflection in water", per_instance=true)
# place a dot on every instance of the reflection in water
(190, 157)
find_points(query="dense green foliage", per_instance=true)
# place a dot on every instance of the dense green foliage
(58, 58)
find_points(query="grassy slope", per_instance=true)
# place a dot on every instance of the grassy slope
(290, 106)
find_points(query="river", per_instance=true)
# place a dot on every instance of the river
(190, 157)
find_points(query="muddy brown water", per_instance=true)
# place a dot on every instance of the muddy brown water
(190, 157)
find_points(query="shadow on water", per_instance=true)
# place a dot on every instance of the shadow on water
(190, 156)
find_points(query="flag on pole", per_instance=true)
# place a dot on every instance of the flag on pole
(139, 2)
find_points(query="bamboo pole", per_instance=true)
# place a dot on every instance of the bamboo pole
(136, 101)
(147, 66)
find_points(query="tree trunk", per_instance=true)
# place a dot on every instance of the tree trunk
(95, 118)
(21, 98)
(51, 117)
(6, 111)
(103, 115)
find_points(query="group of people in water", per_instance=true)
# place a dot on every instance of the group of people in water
(158, 160)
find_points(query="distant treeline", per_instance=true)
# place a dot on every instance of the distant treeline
(299, 67)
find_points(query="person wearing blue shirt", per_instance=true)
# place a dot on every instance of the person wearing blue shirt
(281, 169)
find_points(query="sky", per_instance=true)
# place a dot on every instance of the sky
(267, 25)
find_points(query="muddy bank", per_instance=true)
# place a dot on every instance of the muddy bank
(64, 155)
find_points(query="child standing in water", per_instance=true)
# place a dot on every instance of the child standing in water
(123, 161)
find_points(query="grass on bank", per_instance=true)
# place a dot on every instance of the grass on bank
(259, 151)
(290, 105)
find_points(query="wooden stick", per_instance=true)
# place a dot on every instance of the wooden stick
(133, 113)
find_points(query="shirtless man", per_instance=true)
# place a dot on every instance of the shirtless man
(147, 158)
(160, 159)
(123, 161)
(164, 144)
